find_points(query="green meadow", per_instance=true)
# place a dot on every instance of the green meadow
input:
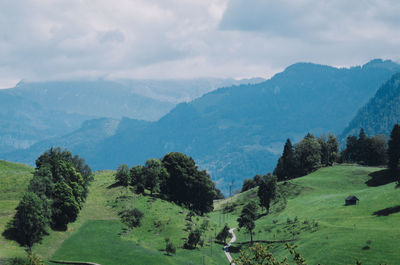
(310, 213)
(14, 179)
(324, 229)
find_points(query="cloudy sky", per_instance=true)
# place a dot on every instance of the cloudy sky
(64, 39)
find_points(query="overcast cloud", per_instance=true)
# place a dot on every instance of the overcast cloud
(48, 39)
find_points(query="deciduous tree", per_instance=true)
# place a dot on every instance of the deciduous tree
(123, 176)
(247, 218)
(30, 220)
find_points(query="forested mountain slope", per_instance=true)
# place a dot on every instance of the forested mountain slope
(238, 131)
(380, 113)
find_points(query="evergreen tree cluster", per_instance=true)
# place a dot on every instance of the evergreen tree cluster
(370, 151)
(176, 177)
(306, 156)
(56, 194)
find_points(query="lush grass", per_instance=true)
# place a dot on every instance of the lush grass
(328, 232)
(99, 236)
(325, 230)
(14, 179)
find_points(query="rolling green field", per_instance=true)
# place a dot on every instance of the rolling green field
(105, 240)
(326, 231)
(14, 179)
(311, 211)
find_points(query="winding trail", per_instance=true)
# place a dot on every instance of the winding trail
(226, 248)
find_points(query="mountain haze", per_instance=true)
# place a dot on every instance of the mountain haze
(239, 131)
(24, 122)
(136, 99)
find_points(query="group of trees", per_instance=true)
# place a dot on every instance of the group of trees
(56, 194)
(312, 153)
(306, 156)
(374, 151)
(176, 178)
(370, 151)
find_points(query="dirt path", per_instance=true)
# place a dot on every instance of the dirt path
(226, 248)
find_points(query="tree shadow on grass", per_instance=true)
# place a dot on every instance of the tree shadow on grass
(10, 232)
(388, 211)
(235, 249)
(379, 178)
(114, 185)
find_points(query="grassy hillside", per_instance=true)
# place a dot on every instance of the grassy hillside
(99, 236)
(14, 179)
(311, 211)
(325, 230)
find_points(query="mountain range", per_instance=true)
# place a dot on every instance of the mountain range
(234, 132)
(35, 111)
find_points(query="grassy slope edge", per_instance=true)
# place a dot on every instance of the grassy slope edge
(326, 231)
(14, 179)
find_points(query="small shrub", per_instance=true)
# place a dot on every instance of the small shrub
(229, 207)
(189, 216)
(157, 223)
(204, 225)
(131, 217)
(193, 239)
(274, 221)
(169, 247)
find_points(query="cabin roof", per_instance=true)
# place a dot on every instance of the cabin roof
(352, 197)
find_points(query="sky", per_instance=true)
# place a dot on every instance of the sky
(182, 39)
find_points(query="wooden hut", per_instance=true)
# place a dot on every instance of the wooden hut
(351, 200)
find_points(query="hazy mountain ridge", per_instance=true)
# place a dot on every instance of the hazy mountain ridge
(380, 113)
(24, 122)
(237, 132)
(99, 98)
(37, 111)
(136, 99)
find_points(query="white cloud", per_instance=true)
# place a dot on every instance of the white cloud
(46, 39)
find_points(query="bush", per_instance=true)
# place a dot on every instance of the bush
(193, 239)
(169, 247)
(229, 207)
(223, 234)
(131, 217)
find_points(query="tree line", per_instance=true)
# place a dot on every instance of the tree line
(306, 156)
(176, 178)
(312, 153)
(55, 195)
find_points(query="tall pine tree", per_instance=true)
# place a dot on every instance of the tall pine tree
(394, 149)
(286, 167)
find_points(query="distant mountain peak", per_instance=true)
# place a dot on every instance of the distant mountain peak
(381, 63)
